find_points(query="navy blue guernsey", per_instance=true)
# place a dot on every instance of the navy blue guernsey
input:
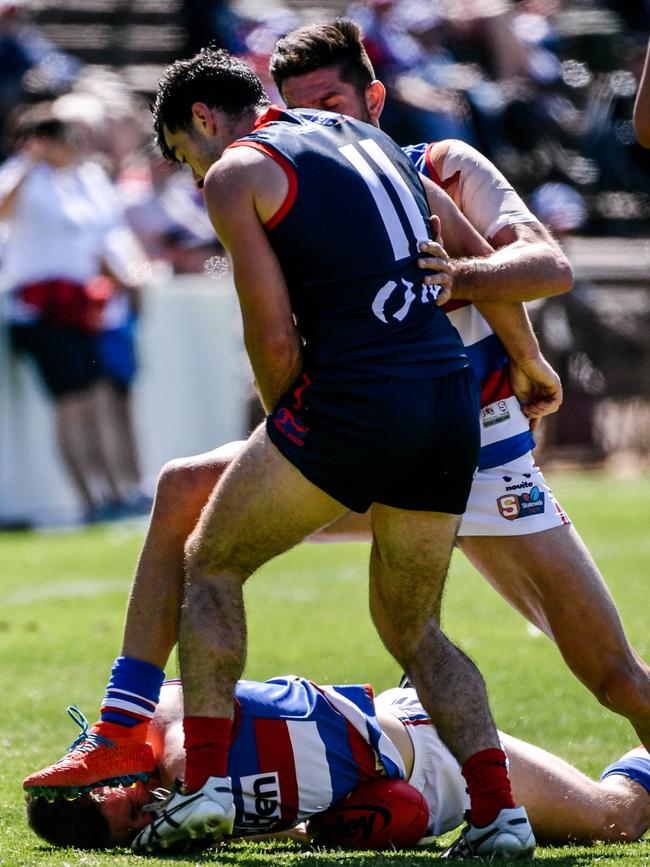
(347, 241)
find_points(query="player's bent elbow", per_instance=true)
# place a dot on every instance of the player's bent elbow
(561, 275)
(565, 275)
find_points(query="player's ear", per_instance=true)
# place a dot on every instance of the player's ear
(203, 117)
(375, 99)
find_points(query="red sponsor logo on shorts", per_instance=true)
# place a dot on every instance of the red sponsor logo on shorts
(290, 427)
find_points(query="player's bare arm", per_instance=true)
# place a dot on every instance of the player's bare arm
(524, 267)
(242, 191)
(527, 262)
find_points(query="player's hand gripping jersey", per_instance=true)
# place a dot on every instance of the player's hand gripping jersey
(490, 203)
(347, 240)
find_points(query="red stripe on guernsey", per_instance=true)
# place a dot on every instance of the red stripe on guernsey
(433, 174)
(362, 753)
(289, 171)
(272, 739)
(496, 386)
(415, 722)
(272, 113)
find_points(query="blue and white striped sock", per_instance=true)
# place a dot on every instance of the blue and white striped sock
(635, 765)
(132, 692)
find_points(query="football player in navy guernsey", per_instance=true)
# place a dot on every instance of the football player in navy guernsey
(299, 748)
(370, 400)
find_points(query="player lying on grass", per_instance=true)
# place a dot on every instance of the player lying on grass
(299, 748)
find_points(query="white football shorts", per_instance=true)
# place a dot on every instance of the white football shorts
(436, 773)
(512, 500)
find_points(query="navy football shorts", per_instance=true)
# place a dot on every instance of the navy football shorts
(411, 444)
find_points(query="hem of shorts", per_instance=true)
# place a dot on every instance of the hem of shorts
(419, 508)
(278, 440)
(511, 531)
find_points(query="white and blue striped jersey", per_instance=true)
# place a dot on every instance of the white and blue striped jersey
(297, 748)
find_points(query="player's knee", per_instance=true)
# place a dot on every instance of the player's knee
(216, 555)
(184, 487)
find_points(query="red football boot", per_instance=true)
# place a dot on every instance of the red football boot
(105, 755)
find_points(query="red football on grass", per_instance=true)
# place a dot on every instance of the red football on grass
(379, 814)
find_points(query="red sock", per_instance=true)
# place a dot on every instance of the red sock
(488, 786)
(207, 741)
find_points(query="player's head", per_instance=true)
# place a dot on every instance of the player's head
(100, 819)
(201, 104)
(326, 66)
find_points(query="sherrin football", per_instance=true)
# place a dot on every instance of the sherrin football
(378, 814)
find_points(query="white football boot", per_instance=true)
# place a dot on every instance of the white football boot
(206, 816)
(509, 836)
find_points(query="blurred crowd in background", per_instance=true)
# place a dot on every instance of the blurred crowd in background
(544, 88)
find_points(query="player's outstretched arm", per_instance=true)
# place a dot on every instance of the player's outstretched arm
(563, 804)
(242, 190)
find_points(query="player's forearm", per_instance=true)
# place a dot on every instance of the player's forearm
(276, 365)
(512, 326)
(521, 271)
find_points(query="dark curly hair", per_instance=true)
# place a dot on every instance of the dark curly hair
(212, 76)
(334, 43)
(79, 823)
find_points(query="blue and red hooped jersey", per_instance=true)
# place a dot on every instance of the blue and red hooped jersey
(297, 748)
(505, 430)
(347, 239)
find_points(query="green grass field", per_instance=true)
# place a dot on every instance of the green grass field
(60, 625)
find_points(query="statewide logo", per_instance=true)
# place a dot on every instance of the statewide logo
(290, 426)
(261, 796)
(513, 506)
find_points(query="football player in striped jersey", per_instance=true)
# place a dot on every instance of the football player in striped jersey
(299, 748)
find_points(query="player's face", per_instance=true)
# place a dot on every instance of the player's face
(122, 809)
(324, 89)
(195, 148)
